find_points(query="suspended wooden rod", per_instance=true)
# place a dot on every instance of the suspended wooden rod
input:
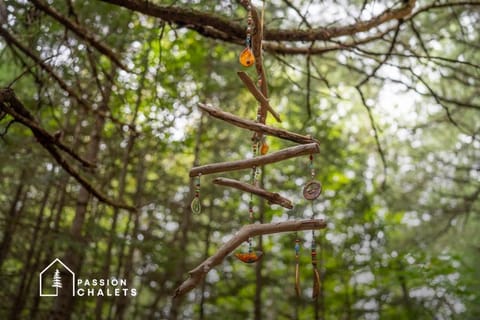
(255, 126)
(273, 157)
(271, 197)
(257, 94)
(251, 230)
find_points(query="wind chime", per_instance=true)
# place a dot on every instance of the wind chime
(249, 56)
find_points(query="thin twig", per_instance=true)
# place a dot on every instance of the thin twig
(375, 134)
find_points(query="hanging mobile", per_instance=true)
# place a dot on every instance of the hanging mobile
(313, 188)
(195, 205)
(247, 57)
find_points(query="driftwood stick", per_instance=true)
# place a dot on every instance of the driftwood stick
(255, 126)
(248, 82)
(251, 230)
(273, 198)
(287, 153)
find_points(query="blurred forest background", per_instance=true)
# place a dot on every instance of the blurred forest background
(389, 88)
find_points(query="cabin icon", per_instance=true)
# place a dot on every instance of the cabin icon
(52, 277)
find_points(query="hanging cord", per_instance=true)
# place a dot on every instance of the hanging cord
(247, 58)
(297, 265)
(316, 274)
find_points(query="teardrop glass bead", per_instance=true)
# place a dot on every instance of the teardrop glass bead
(196, 206)
(246, 57)
(264, 149)
(249, 257)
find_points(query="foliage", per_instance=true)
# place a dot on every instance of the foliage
(398, 129)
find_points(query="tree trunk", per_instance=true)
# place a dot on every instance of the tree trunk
(258, 306)
(123, 302)
(29, 266)
(201, 312)
(16, 208)
(64, 304)
(185, 226)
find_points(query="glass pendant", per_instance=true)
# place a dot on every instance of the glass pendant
(246, 57)
(196, 206)
(312, 190)
(249, 257)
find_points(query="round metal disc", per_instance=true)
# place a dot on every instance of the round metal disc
(312, 190)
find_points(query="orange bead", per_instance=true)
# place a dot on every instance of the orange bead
(246, 57)
(264, 148)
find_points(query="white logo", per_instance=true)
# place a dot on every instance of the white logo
(53, 278)
(50, 278)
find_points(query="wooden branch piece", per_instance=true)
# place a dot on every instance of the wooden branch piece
(273, 198)
(255, 126)
(257, 94)
(287, 153)
(251, 230)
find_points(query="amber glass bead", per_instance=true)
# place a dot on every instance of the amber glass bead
(246, 57)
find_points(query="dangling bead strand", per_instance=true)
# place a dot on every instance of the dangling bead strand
(312, 168)
(297, 267)
(247, 57)
(316, 275)
(313, 188)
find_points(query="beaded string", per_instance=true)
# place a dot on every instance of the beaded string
(312, 168)
(297, 265)
(316, 275)
(311, 191)
(254, 178)
(247, 57)
(195, 205)
(248, 39)
(251, 256)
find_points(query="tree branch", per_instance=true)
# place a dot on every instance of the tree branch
(80, 31)
(255, 126)
(191, 19)
(10, 104)
(251, 230)
(49, 70)
(257, 161)
(273, 198)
